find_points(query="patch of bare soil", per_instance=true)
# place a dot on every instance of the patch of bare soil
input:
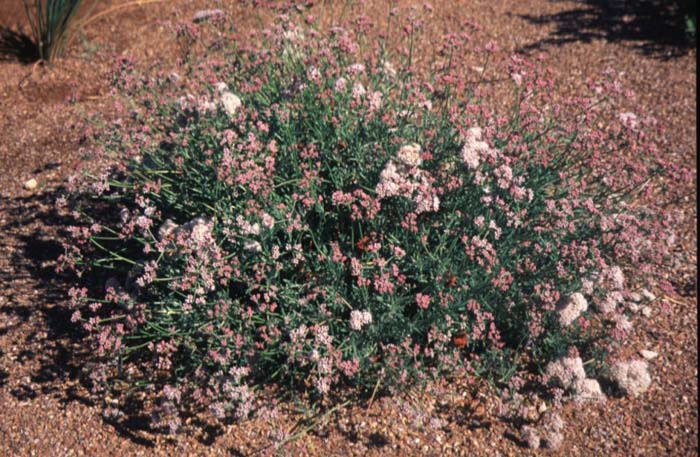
(47, 411)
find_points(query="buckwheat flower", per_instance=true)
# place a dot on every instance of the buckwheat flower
(409, 154)
(628, 119)
(588, 390)
(473, 148)
(167, 228)
(609, 303)
(359, 319)
(648, 295)
(356, 69)
(517, 78)
(199, 229)
(206, 106)
(221, 87)
(587, 286)
(623, 324)
(325, 365)
(426, 203)
(249, 229)
(340, 84)
(322, 384)
(252, 246)
(314, 74)
(203, 15)
(504, 175)
(617, 277)
(422, 300)
(530, 437)
(552, 427)
(388, 69)
(230, 103)
(358, 90)
(571, 309)
(268, 221)
(389, 181)
(322, 338)
(566, 371)
(375, 101)
(632, 377)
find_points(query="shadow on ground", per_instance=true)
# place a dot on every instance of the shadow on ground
(35, 296)
(656, 28)
(17, 46)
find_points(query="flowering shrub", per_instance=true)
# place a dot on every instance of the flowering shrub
(322, 218)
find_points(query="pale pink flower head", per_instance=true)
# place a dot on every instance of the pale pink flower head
(572, 308)
(356, 69)
(530, 437)
(230, 102)
(409, 154)
(632, 377)
(375, 101)
(628, 120)
(517, 78)
(609, 304)
(552, 430)
(422, 300)
(474, 148)
(388, 69)
(566, 371)
(617, 277)
(359, 319)
(358, 90)
(341, 84)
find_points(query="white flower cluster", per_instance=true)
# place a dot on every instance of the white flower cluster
(568, 372)
(228, 100)
(572, 308)
(404, 178)
(474, 148)
(359, 319)
(632, 377)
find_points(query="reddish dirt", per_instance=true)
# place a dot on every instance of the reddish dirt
(47, 411)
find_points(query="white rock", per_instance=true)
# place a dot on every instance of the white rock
(646, 311)
(31, 184)
(648, 295)
(649, 355)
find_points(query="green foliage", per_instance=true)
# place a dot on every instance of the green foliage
(52, 24)
(332, 227)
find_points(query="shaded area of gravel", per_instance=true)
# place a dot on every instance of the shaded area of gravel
(46, 410)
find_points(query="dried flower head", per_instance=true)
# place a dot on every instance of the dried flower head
(632, 377)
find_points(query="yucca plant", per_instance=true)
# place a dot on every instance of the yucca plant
(52, 23)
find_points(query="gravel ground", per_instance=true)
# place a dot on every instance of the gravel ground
(47, 411)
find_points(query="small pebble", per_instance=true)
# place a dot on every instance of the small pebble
(648, 354)
(646, 311)
(31, 184)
